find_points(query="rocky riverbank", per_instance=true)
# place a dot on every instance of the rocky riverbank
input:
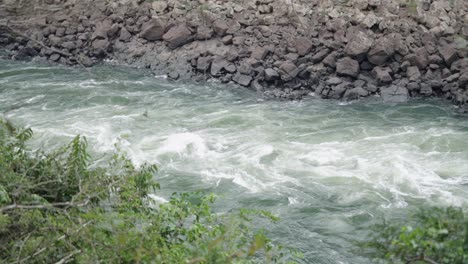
(287, 49)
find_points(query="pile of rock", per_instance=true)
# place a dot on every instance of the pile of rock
(361, 48)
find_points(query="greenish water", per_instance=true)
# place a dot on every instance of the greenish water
(328, 170)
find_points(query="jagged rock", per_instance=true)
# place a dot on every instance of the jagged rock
(359, 45)
(382, 75)
(419, 59)
(271, 75)
(242, 79)
(380, 52)
(303, 46)
(178, 36)
(113, 30)
(153, 30)
(220, 27)
(54, 57)
(203, 63)
(347, 67)
(334, 81)
(102, 30)
(463, 80)
(330, 60)
(259, 53)
(449, 54)
(288, 71)
(319, 56)
(338, 91)
(100, 47)
(204, 33)
(394, 94)
(227, 40)
(159, 6)
(84, 60)
(217, 66)
(413, 73)
(459, 65)
(355, 93)
(425, 89)
(125, 35)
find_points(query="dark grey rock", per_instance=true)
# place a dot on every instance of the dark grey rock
(303, 46)
(203, 63)
(347, 67)
(358, 45)
(178, 36)
(380, 52)
(271, 75)
(242, 79)
(125, 35)
(449, 54)
(394, 94)
(413, 73)
(382, 75)
(288, 71)
(153, 30)
(355, 93)
(319, 56)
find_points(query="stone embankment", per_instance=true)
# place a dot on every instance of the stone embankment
(341, 49)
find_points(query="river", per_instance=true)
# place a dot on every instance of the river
(329, 170)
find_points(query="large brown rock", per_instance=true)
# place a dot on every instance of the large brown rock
(153, 30)
(347, 67)
(178, 36)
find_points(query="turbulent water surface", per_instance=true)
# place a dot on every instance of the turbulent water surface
(329, 170)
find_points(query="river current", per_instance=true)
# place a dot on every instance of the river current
(328, 169)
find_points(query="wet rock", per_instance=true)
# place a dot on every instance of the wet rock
(84, 60)
(394, 94)
(355, 93)
(153, 30)
(178, 36)
(347, 67)
(54, 57)
(426, 89)
(242, 79)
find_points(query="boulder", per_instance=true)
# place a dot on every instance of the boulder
(125, 35)
(330, 60)
(203, 63)
(259, 53)
(358, 45)
(355, 93)
(463, 80)
(413, 73)
(380, 52)
(419, 58)
(100, 47)
(347, 67)
(217, 66)
(382, 75)
(242, 79)
(288, 71)
(319, 56)
(271, 74)
(220, 27)
(449, 54)
(303, 46)
(394, 94)
(178, 36)
(153, 30)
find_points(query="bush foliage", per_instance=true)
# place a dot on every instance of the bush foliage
(434, 236)
(55, 209)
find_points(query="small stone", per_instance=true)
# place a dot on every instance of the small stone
(347, 67)
(242, 79)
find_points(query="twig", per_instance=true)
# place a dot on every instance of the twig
(43, 206)
(64, 260)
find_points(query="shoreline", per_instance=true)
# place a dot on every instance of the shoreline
(334, 51)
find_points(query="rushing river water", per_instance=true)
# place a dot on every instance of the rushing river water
(328, 170)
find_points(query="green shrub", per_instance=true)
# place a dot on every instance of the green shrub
(54, 208)
(433, 235)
